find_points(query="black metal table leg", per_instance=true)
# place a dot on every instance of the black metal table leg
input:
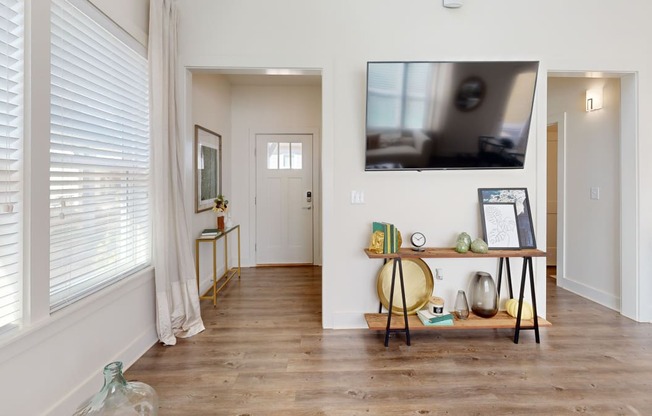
(405, 314)
(391, 301)
(389, 309)
(527, 267)
(509, 277)
(534, 301)
(505, 261)
(517, 329)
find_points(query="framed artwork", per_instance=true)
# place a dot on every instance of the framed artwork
(499, 225)
(518, 197)
(208, 168)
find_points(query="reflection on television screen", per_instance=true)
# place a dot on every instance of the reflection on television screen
(448, 115)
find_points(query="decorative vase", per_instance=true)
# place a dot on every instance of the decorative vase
(220, 223)
(461, 305)
(484, 297)
(120, 397)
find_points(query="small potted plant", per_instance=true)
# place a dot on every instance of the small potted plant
(220, 205)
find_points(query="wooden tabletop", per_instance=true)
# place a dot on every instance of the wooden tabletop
(444, 252)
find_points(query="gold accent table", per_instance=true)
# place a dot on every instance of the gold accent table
(502, 320)
(228, 273)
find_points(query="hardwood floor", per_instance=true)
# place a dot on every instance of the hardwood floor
(264, 353)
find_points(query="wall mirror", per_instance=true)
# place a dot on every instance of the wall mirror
(208, 168)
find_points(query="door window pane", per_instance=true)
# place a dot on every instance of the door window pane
(284, 155)
(272, 155)
(297, 156)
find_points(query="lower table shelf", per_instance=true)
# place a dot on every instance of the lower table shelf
(378, 322)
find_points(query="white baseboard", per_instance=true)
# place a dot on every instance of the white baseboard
(93, 383)
(598, 296)
(349, 320)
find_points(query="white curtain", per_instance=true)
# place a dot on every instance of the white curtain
(177, 302)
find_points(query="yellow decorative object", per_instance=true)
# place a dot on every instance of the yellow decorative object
(377, 240)
(512, 309)
(418, 282)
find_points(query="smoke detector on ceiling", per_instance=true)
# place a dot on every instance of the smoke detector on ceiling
(453, 4)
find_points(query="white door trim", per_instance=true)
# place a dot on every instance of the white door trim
(316, 180)
(560, 119)
(633, 294)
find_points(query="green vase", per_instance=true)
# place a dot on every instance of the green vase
(120, 397)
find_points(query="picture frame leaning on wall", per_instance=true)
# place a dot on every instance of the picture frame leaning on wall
(519, 197)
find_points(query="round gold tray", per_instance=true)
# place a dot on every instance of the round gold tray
(418, 281)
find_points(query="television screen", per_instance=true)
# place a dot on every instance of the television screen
(448, 115)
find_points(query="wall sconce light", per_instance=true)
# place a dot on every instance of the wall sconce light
(594, 99)
(453, 4)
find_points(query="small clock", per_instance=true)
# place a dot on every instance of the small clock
(418, 240)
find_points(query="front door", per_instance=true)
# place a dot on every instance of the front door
(284, 209)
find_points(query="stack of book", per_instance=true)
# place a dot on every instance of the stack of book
(430, 319)
(390, 241)
(209, 233)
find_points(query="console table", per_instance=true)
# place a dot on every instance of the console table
(502, 320)
(228, 272)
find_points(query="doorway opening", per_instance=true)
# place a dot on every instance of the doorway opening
(596, 162)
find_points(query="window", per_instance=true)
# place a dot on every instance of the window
(99, 156)
(11, 144)
(284, 155)
(398, 95)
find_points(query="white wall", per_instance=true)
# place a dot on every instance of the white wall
(55, 361)
(211, 108)
(340, 36)
(132, 16)
(592, 142)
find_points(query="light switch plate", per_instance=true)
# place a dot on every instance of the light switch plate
(357, 197)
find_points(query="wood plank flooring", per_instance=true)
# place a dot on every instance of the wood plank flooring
(264, 353)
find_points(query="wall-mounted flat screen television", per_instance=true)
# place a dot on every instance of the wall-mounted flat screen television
(448, 115)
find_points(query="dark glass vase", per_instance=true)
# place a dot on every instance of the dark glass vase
(119, 397)
(484, 297)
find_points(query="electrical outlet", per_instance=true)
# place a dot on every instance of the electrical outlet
(439, 273)
(595, 192)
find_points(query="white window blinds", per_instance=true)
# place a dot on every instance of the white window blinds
(11, 139)
(99, 157)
